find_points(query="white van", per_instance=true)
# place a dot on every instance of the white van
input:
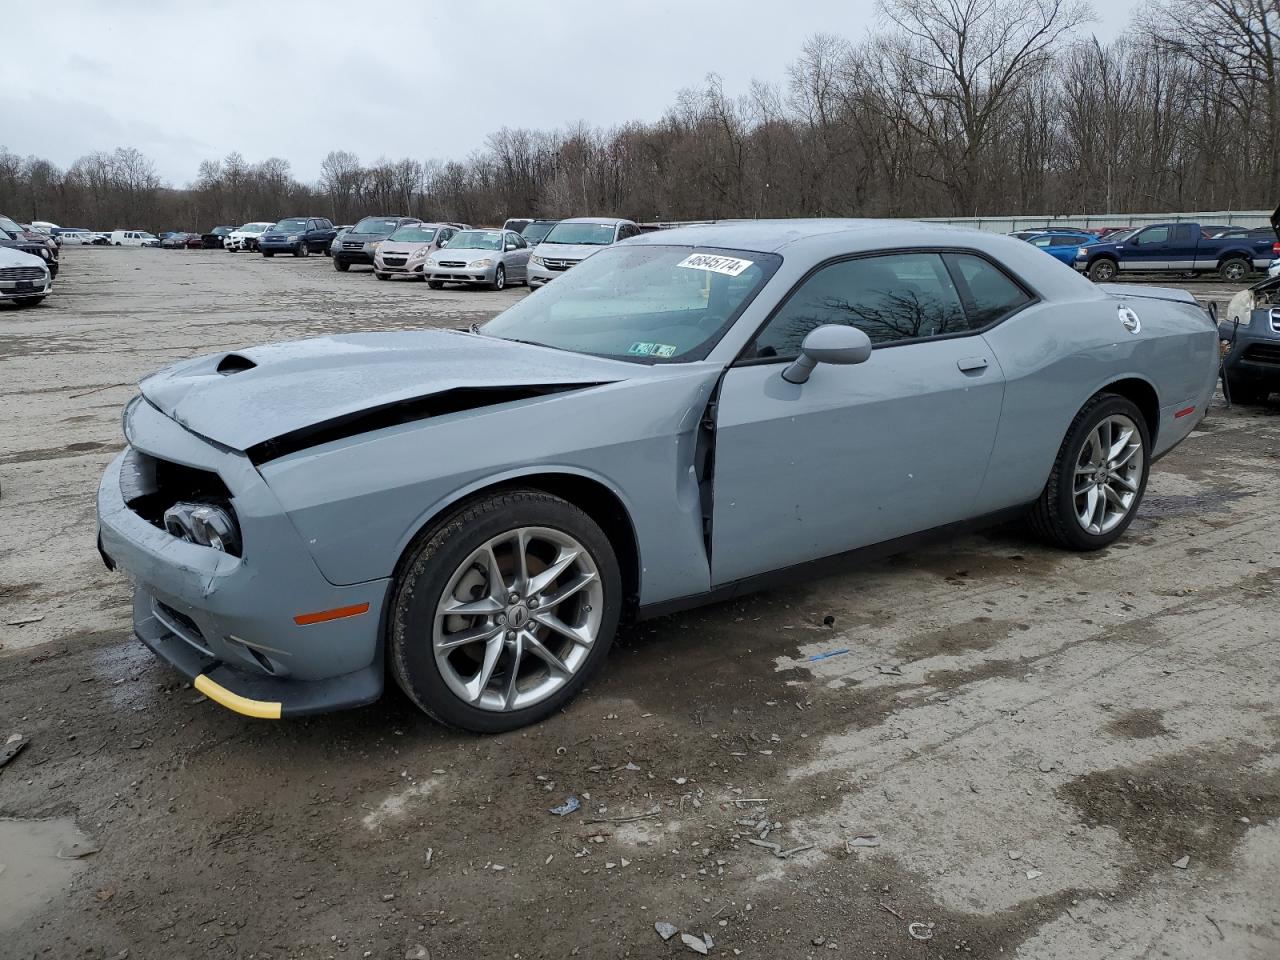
(133, 238)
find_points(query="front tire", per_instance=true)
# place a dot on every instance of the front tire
(268, 253)
(503, 611)
(1098, 478)
(301, 250)
(499, 278)
(382, 276)
(29, 301)
(1246, 394)
(435, 285)
(340, 266)
(1103, 270)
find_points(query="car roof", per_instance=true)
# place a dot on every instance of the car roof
(611, 221)
(767, 236)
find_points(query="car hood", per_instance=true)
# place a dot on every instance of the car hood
(13, 257)
(402, 248)
(568, 251)
(248, 397)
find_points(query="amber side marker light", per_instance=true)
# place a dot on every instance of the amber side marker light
(337, 613)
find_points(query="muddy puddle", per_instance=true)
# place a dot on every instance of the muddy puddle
(38, 861)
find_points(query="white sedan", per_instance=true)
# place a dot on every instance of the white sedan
(24, 278)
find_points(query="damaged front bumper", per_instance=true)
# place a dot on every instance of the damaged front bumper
(256, 633)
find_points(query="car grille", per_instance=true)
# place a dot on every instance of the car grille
(453, 264)
(1275, 320)
(352, 245)
(557, 264)
(22, 273)
(1263, 353)
(394, 261)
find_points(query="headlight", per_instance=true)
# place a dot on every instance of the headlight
(534, 258)
(430, 262)
(293, 238)
(419, 253)
(44, 252)
(124, 416)
(1082, 251)
(478, 264)
(205, 524)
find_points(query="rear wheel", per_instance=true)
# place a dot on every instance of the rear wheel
(503, 611)
(499, 278)
(1099, 476)
(1233, 270)
(339, 265)
(1102, 270)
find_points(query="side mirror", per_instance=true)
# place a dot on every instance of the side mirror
(831, 343)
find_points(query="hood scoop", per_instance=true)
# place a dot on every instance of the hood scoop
(234, 363)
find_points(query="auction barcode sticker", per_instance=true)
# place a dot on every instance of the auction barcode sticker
(729, 266)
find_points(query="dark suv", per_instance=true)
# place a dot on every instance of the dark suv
(357, 244)
(299, 236)
(14, 236)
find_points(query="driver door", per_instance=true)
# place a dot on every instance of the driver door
(864, 453)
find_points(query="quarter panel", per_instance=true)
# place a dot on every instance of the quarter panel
(359, 502)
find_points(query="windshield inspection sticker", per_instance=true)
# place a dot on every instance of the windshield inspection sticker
(729, 266)
(641, 349)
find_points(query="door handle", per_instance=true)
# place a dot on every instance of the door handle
(972, 364)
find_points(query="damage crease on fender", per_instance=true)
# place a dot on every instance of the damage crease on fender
(403, 411)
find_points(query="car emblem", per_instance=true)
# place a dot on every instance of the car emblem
(1129, 319)
(518, 616)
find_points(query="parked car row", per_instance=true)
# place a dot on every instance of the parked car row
(28, 264)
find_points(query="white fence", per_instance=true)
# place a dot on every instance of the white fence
(1231, 218)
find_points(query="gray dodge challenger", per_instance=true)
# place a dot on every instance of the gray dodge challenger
(684, 417)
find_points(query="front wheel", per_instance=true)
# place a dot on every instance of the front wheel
(1099, 476)
(1102, 271)
(503, 611)
(268, 253)
(1246, 394)
(301, 250)
(1233, 270)
(499, 278)
(382, 276)
(29, 301)
(340, 265)
(435, 285)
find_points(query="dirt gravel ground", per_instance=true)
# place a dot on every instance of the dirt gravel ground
(1024, 753)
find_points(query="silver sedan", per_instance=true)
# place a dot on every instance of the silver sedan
(494, 258)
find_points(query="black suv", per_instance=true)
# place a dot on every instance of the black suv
(356, 245)
(299, 236)
(12, 235)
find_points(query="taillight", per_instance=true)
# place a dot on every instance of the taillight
(1275, 248)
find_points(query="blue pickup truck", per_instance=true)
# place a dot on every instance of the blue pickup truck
(1177, 248)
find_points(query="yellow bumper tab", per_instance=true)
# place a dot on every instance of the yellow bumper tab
(262, 709)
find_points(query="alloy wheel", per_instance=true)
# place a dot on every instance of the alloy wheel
(517, 619)
(1108, 474)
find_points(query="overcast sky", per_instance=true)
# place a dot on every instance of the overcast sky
(184, 82)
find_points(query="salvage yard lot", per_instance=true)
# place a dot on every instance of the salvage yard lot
(1015, 750)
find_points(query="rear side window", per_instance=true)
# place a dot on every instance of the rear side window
(991, 294)
(892, 298)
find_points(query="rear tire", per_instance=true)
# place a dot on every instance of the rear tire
(1057, 516)
(442, 567)
(1233, 270)
(1102, 270)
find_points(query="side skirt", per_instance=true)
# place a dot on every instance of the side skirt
(827, 566)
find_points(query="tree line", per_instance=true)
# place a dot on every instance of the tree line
(949, 108)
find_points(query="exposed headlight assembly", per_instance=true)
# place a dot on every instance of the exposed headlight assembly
(206, 524)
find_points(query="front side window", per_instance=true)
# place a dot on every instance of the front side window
(992, 295)
(1153, 236)
(891, 298)
(647, 303)
(591, 234)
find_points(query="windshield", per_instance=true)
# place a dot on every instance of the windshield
(641, 303)
(595, 234)
(290, 226)
(383, 225)
(535, 232)
(476, 240)
(415, 233)
(255, 227)
(9, 226)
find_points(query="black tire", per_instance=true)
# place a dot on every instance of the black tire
(1233, 269)
(382, 276)
(340, 265)
(117, 243)
(301, 250)
(1053, 518)
(435, 284)
(1102, 270)
(268, 253)
(1246, 393)
(499, 278)
(29, 301)
(430, 563)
